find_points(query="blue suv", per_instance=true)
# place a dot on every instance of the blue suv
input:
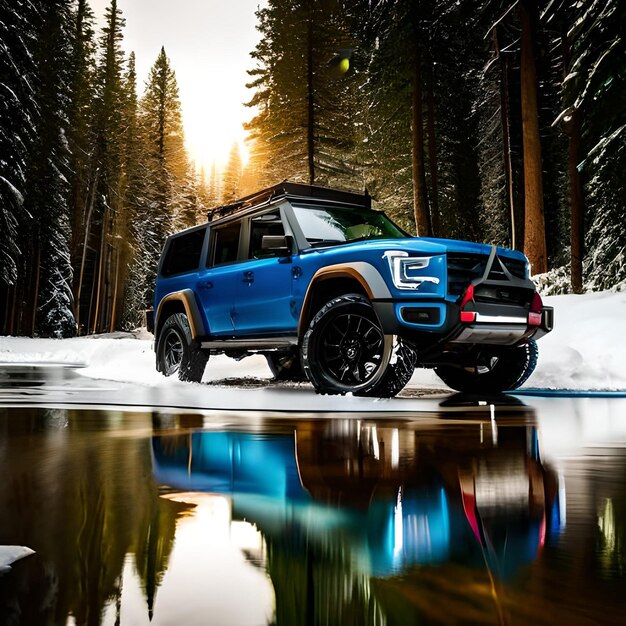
(332, 291)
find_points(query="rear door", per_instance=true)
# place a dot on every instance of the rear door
(218, 282)
(264, 304)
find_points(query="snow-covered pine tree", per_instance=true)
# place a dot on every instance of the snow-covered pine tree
(94, 293)
(17, 116)
(231, 177)
(48, 189)
(204, 196)
(384, 110)
(595, 90)
(130, 192)
(495, 158)
(80, 128)
(419, 112)
(167, 199)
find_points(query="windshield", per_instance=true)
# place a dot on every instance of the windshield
(331, 225)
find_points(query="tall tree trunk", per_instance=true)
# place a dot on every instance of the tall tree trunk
(84, 254)
(115, 288)
(420, 194)
(577, 208)
(310, 128)
(96, 325)
(506, 139)
(77, 207)
(534, 222)
(27, 286)
(36, 291)
(432, 151)
(12, 328)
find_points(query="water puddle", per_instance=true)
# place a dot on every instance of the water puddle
(193, 518)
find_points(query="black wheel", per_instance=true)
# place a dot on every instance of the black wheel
(286, 366)
(176, 352)
(504, 369)
(345, 351)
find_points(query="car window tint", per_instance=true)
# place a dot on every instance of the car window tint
(266, 224)
(226, 243)
(184, 253)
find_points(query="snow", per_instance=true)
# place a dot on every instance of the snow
(10, 554)
(585, 351)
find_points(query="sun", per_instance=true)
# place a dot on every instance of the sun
(211, 128)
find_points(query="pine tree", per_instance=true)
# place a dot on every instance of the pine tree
(419, 112)
(499, 197)
(130, 191)
(305, 128)
(231, 178)
(94, 294)
(534, 229)
(168, 198)
(47, 196)
(80, 129)
(595, 88)
(17, 116)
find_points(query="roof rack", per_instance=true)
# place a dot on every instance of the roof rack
(289, 189)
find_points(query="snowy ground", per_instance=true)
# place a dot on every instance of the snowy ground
(586, 350)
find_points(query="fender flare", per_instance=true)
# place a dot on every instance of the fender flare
(186, 296)
(365, 274)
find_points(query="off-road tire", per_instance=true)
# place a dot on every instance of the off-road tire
(345, 350)
(286, 366)
(512, 369)
(176, 351)
(399, 371)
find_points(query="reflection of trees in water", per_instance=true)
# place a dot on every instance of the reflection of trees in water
(610, 508)
(319, 584)
(83, 499)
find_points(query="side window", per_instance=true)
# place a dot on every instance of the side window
(225, 243)
(260, 226)
(184, 253)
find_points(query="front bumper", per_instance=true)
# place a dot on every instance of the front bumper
(430, 322)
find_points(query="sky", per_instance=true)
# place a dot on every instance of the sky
(209, 44)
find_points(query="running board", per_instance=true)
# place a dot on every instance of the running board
(272, 343)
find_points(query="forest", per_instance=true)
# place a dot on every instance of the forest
(501, 121)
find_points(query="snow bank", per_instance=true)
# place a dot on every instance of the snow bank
(586, 350)
(124, 357)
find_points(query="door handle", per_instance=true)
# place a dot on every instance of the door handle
(206, 284)
(248, 277)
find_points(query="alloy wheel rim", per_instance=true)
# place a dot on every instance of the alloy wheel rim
(352, 347)
(172, 352)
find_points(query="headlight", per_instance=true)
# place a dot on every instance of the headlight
(406, 271)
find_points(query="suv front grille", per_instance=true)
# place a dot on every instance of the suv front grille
(463, 269)
(503, 295)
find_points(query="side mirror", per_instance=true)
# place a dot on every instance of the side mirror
(279, 245)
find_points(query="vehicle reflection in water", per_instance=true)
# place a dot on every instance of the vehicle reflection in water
(140, 518)
(340, 501)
